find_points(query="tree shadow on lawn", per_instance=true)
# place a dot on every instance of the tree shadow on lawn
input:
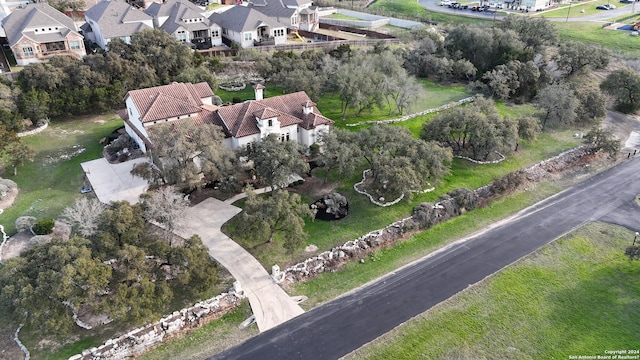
(599, 313)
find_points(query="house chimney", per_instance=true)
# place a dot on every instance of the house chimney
(258, 91)
(307, 107)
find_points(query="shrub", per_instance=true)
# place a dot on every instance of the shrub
(43, 227)
(25, 222)
(236, 100)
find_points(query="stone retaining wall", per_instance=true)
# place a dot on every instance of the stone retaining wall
(333, 259)
(143, 339)
(34, 131)
(420, 113)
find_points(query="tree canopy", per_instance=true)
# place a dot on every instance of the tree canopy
(186, 157)
(400, 163)
(275, 160)
(264, 217)
(476, 130)
(624, 86)
(120, 270)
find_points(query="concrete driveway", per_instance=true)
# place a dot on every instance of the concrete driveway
(113, 182)
(270, 304)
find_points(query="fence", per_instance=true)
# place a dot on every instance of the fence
(324, 45)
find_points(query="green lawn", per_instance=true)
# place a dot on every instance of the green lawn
(617, 41)
(364, 216)
(576, 296)
(413, 10)
(434, 95)
(576, 9)
(53, 181)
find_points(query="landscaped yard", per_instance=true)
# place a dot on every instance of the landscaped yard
(434, 95)
(364, 216)
(576, 296)
(53, 181)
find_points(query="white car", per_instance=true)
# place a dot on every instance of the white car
(445, 2)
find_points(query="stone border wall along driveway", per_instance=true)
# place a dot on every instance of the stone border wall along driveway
(140, 340)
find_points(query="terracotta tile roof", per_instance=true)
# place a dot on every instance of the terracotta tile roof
(239, 119)
(167, 101)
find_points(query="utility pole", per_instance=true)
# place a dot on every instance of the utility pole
(568, 12)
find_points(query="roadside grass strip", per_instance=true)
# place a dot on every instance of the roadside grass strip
(578, 296)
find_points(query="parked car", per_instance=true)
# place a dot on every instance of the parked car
(445, 2)
(86, 190)
(606, 7)
(464, 7)
(626, 1)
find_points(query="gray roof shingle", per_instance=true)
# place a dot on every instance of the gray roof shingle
(176, 12)
(244, 18)
(38, 15)
(117, 18)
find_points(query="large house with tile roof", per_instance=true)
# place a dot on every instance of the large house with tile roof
(114, 19)
(292, 117)
(38, 32)
(185, 22)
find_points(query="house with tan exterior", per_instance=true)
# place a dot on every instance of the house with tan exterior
(114, 19)
(38, 32)
(292, 117)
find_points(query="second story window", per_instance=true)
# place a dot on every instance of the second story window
(248, 36)
(27, 51)
(270, 122)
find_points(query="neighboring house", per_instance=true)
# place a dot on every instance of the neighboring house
(265, 22)
(185, 22)
(294, 14)
(293, 117)
(114, 19)
(38, 32)
(248, 27)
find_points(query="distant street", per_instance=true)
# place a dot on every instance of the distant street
(604, 15)
(344, 324)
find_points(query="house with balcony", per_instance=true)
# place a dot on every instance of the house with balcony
(38, 32)
(292, 117)
(248, 27)
(114, 19)
(185, 22)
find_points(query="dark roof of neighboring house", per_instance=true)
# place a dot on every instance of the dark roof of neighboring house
(275, 9)
(117, 18)
(169, 7)
(243, 18)
(167, 101)
(239, 120)
(38, 15)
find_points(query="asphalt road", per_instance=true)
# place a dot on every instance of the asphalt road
(604, 15)
(346, 323)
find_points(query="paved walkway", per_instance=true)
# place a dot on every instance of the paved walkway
(271, 306)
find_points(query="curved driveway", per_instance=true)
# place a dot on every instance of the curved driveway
(346, 323)
(271, 306)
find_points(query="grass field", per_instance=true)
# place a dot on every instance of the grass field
(413, 10)
(618, 42)
(433, 96)
(53, 181)
(576, 10)
(576, 296)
